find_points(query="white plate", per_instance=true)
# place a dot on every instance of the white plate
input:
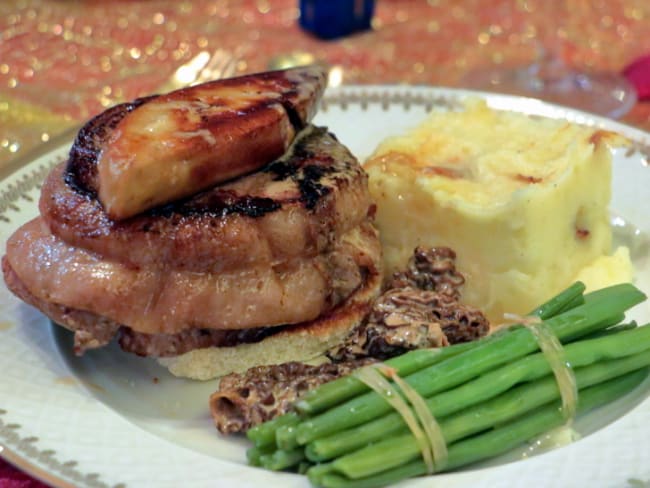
(114, 420)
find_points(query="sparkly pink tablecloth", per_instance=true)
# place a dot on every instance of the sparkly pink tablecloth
(63, 61)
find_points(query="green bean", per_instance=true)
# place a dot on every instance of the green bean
(337, 391)
(503, 348)
(282, 459)
(303, 467)
(613, 330)
(332, 479)
(285, 437)
(528, 396)
(254, 454)
(264, 434)
(563, 301)
(369, 466)
(513, 402)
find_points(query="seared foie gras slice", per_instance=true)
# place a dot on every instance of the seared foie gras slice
(174, 145)
(297, 206)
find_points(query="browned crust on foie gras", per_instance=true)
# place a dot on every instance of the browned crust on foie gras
(296, 206)
(176, 144)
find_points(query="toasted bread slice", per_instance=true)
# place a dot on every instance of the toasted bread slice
(174, 145)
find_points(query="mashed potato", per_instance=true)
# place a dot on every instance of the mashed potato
(522, 200)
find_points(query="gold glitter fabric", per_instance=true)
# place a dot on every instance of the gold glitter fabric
(61, 62)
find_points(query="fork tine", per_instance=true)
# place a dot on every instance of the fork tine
(219, 58)
(220, 65)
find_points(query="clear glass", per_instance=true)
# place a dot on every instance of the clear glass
(550, 78)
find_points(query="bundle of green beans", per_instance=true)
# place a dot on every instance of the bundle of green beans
(488, 396)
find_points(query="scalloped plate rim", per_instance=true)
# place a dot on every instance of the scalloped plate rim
(245, 476)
